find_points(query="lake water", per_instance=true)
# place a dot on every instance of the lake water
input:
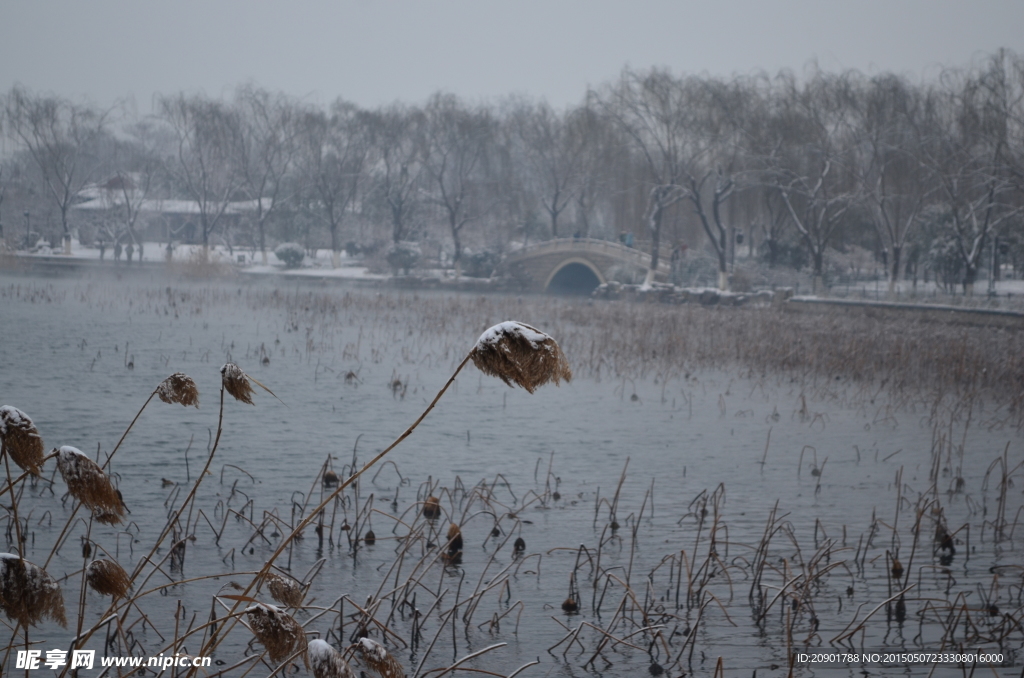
(704, 458)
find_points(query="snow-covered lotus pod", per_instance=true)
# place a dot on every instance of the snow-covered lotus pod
(517, 353)
(108, 578)
(20, 439)
(28, 593)
(236, 382)
(327, 662)
(380, 660)
(285, 590)
(276, 630)
(178, 388)
(90, 485)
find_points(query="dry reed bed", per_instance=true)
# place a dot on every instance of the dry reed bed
(611, 340)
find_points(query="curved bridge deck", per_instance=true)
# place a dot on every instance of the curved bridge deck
(575, 265)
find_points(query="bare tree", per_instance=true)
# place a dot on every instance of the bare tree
(686, 132)
(457, 143)
(553, 152)
(967, 158)
(812, 172)
(332, 157)
(398, 148)
(208, 135)
(265, 154)
(60, 136)
(885, 159)
(648, 108)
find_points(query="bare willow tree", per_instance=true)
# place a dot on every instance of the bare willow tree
(265, 153)
(887, 129)
(207, 137)
(812, 171)
(967, 158)
(458, 142)
(686, 133)
(331, 165)
(61, 137)
(648, 108)
(553, 149)
(136, 169)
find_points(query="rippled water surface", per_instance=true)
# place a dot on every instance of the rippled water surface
(688, 466)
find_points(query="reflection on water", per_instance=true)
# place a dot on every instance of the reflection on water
(644, 498)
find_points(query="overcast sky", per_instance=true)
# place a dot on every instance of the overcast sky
(374, 52)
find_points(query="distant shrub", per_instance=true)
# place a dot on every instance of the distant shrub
(290, 254)
(403, 256)
(479, 265)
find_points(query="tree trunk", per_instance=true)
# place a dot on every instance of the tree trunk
(457, 256)
(655, 225)
(970, 276)
(894, 270)
(335, 247)
(723, 270)
(818, 282)
(263, 242)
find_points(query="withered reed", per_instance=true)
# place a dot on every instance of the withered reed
(179, 388)
(285, 590)
(20, 439)
(326, 662)
(276, 630)
(379, 659)
(519, 354)
(88, 484)
(28, 593)
(108, 578)
(236, 382)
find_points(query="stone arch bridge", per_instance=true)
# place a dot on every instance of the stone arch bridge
(575, 265)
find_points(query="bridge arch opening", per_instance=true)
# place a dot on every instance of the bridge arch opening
(574, 277)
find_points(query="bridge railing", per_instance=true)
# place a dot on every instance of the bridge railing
(595, 245)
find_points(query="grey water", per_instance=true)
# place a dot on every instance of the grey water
(350, 369)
